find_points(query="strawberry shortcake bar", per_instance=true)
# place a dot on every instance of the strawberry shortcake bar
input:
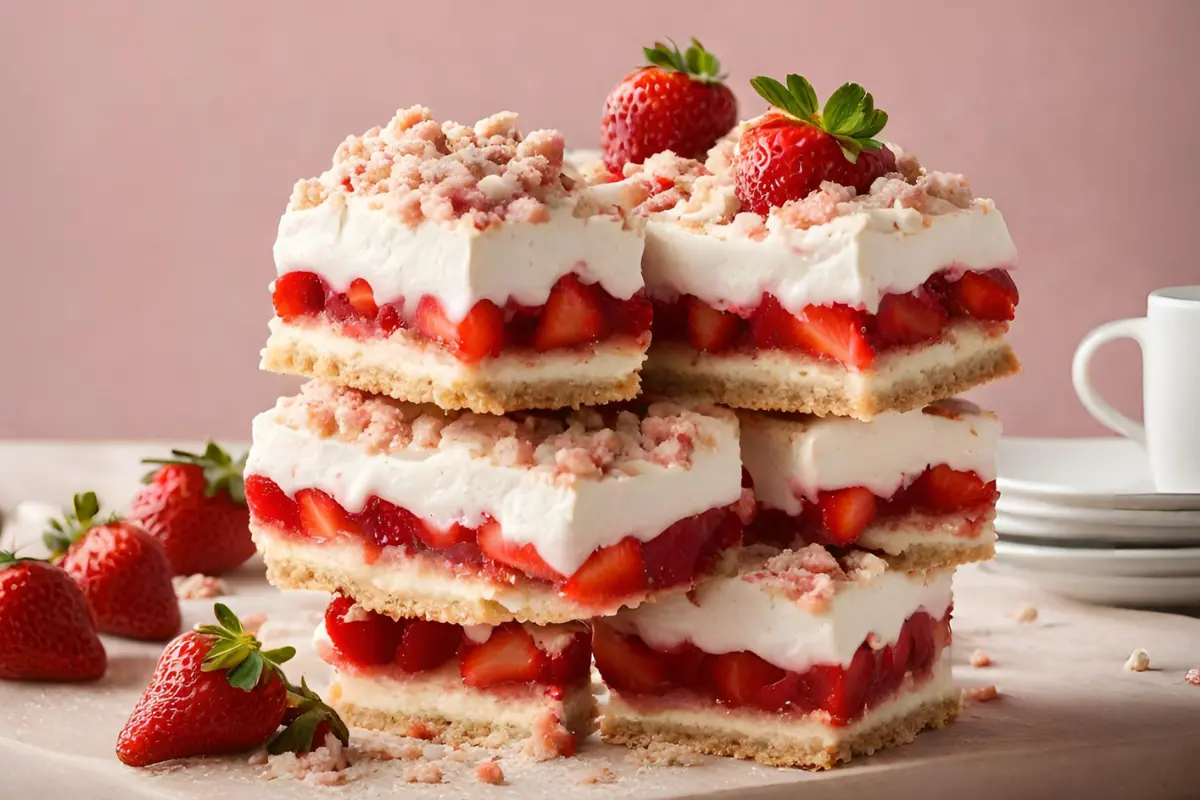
(473, 684)
(807, 267)
(458, 265)
(472, 518)
(918, 487)
(802, 659)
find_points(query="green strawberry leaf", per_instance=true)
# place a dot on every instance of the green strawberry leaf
(222, 472)
(696, 61)
(298, 737)
(849, 115)
(804, 95)
(82, 517)
(227, 618)
(245, 675)
(280, 655)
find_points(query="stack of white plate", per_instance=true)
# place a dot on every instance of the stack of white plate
(1081, 518)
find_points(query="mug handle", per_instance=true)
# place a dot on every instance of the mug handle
(1099, 407)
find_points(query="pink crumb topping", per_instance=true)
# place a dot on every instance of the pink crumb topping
(198, 587)
(931, 194)
(1193, 677)
(424, 772)
(488, 771)
(549, 738)
(569, 445)
(809, 575)
(421, 170)
(322, 767)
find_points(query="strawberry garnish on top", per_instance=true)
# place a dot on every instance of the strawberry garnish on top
(195, 504)
(123, 571)
(792, 149)
(46, 629)
(678, 102)
(215, 690)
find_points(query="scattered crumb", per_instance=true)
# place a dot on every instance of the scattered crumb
(198, 587)
(457, 755)
(252, 623)
(1139, 661)
(1027, 614)
(423, 772)
(488, 771)
(418, 730)
(980, 658)
(1193, 677)
(258, 758)
(600, 775)
(665, 754)
(982, 694)
(549, 738)
(321, 767)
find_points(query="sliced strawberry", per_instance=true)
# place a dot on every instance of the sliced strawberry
(672, 557)
(902, 652)
(609, 573)
(768, 321)
(426, 645)
(837, 332)
(367, 639)
(388, 525)
(362, 298)
(508, 656)
(783, 694)
(522, 557)
(843, 692)
(479, 335)
(738, 678)
(990, 295)
(686, 665)
(626, 663)
(269, 504)
(943, 489)
(920, 627)
(573, 316)
(322, 518)
(444, 538)
(846, 513)
(710, 330)
(298, 293)
(389, 319)
(910, 318)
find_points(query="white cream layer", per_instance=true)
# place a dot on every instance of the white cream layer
(345, 238)
(855, 259)
(726, 615)
(399, 353)
(798, 456)
(565, 522)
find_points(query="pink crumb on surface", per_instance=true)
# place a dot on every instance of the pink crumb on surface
(1192, 677)
(488, 771)
(549, 738)
(198, 587)
(424, 772)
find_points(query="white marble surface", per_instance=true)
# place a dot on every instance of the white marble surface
(1071, 721)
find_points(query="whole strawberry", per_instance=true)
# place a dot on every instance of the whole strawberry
(677, 103)
(793, 148)
(215, 690)
(196, 506)
(122, 571)
(46, 630)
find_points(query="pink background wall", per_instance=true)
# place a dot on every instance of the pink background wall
(149, 147)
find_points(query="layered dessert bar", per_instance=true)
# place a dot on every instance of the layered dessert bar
(475, 684)
(918, 486)
(473, 518)
(803, 660)
(841, 302)
(458, 265)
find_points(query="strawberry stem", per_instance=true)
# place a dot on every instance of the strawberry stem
(83, 516)
(222, 473)
(697, 62)
(849, 115)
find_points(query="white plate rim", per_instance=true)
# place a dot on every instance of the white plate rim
(1142, 592)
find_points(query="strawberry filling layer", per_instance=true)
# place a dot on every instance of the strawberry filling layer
(839, 516)
(688, 676)
(629, 568)
(366, 642)
(575, 315)
(839, 333)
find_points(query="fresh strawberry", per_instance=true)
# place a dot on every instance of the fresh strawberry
(364, 637)
(846, 513)
(479, 335)
(609, 573)
(215, 690)
(362, 298)
(626, 663)
(793, 148)
(298, 293)
(843, 692)
(426, 645)
(269, 504)
(710, 330)
(196, 506)
(573, 316)
(444, 538)
(738, 678)
(836, 332)
(677, 103)
(45, 624)
(509, 655)
(123, 571)
(943, 489)
(322, 519)
(910, 318)
(522, 557)
(388, 525)
(990, 295)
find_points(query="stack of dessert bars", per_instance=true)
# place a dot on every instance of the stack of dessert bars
(474, 473)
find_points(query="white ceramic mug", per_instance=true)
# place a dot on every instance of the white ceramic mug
(1169, 336)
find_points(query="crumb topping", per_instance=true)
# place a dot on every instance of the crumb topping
(549, 738)
(488, 771)
(1138, 661)
(1192, 677)
(418, 169)
(198, 587)
(980, 658)
(424, 772)
(323, 766)
(809, 575)
(1027, 614)
(564, 446)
